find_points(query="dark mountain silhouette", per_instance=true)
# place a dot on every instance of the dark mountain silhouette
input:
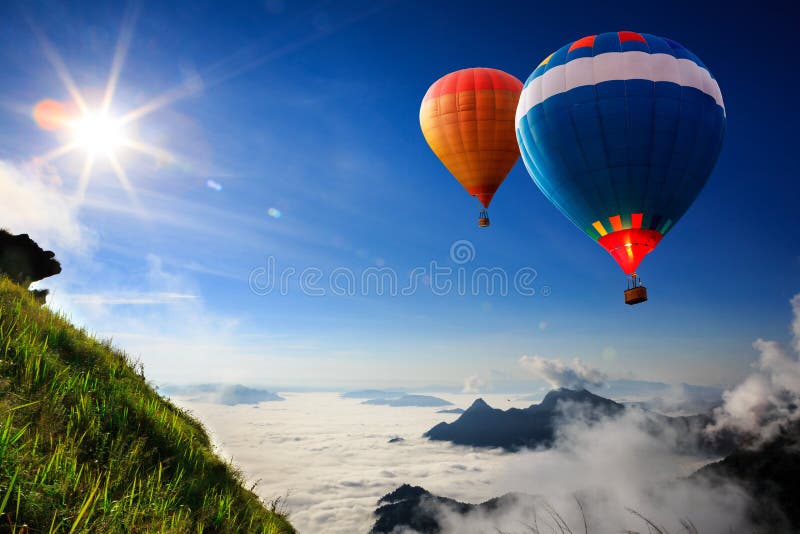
(25, 262)
(410, 400)
(689, 433)
(673, 399)
(413, 507)
(771, 474)
(483, 426)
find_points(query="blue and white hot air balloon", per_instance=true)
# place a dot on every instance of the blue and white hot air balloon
(621, 132)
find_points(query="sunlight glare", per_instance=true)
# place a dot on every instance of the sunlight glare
(98, 133)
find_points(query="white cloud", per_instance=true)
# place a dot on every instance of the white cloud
(332, 457)
(474, 384)
(611, 467)
(129, 298)
(158, 315)
(34, 204)
(558, 374)
(768, 398)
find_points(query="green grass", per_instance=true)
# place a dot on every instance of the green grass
(86, 445)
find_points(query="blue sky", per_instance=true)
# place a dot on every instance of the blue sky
(311, 109)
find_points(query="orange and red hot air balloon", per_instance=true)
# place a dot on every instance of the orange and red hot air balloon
(467, 118)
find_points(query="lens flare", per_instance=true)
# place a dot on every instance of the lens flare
(49, 114)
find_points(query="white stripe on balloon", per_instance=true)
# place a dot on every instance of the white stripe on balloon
(617, 66)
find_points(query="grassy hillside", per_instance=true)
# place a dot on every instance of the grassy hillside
(87, 446)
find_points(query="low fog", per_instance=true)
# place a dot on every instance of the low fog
(333, 459)
(770, 396)
(613, 469)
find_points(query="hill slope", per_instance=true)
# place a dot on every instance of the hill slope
(87, 445)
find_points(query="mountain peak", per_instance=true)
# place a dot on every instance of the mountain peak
(484, 426)
(405, 492)
(571, 395)
(478, 405)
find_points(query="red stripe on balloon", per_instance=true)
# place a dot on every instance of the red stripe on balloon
(631, 36)
(477, 79)
(582, 43)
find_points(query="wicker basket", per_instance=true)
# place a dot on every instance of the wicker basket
(635, 295)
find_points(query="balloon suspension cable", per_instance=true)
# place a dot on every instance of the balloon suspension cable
(483, 218)
(634, 281)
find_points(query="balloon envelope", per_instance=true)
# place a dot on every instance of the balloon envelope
(467, 118)
(621, 132)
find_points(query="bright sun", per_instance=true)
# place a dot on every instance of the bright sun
(98, 133)
(93, 129)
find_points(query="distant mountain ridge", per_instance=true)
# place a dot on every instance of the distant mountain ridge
(227, 394)
(410, 400)
(483, 426)
(372, 394)
(535, 426)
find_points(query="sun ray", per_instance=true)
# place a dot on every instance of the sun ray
(120, 172)
(61, 70)
(145, 148)
(239, 63)
(57, 152)
(20, 108)
(100, 133)
(125, 182)
(120, 53)
(83, 181)
(173, 95)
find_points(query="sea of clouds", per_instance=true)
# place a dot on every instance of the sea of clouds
(332, 457)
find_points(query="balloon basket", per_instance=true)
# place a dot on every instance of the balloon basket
(483, 219)
(635, 295)
(636, 292)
